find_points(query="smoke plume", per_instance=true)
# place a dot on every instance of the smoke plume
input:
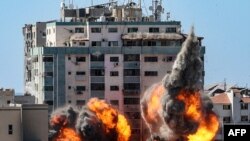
(97, 121)
(174, 109)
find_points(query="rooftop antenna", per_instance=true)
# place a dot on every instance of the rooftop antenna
(225, 84)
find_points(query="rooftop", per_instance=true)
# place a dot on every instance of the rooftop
(220, 98)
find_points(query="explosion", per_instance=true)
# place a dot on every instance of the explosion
(175, 109)
(97, 121)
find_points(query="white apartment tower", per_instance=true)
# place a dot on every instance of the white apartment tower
(108, 51)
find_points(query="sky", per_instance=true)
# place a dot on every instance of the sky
(224, 24)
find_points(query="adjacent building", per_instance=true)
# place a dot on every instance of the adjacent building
(6, 96)
(108, 51)
(232, 107)
(24, 122)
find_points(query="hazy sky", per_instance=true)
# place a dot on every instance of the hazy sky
(224, 24)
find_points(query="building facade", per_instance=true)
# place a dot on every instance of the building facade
(112, 53)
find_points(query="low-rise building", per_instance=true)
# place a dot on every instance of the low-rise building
(232, 107)
(24, 122)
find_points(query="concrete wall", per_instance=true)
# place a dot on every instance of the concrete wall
(35, 122)
(10, 116)
(73, 80)
(114, 80)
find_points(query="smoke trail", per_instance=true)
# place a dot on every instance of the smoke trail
(184, 111)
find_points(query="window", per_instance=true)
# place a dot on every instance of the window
(80, 102)
(226, 119)
(168, 59)
(154, 29)
(244, 118)
(131, 57)
(48, 74)
(97, 86)
(79, 30)
(10, 129)
(49, 102)
(114, 88)
(96, 30)
(80, 59)
(96, 43)
(69, 73)
(69, 101)
(97, 72)
(132, 29)
(69, 58)
(150, 59)
(114, 73)
(114, 102)
(69, 87)
(226, 107)
(47, 59)
(131, 101)
(113, 43)
(97, 58)
(149, 43)
(170, 30)
(131, 72)
(8, 101)
(80, 73)
(165, 43)
(114, 59)
(80, 88)
(81, 43)
(48, 88)
(244, 106)
(130, 43)
(151, 73)
(113, 30)
(132, 86)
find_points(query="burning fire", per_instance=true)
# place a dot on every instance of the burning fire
(110, 118)
(208, 124)
(154, 104)
(68, 134)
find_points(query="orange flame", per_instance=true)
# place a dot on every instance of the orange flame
(57, 119)
(207, 129)
(208, 124)
(110, 118)
(154, 104)
(68, 134)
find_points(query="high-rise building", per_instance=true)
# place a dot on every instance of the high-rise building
(108, 51)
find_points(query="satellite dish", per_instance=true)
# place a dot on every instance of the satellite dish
(151, 8)
(159, 8)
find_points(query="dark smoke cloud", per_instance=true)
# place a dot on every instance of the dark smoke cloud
(186, 74)
(84, 122)
(92, 129)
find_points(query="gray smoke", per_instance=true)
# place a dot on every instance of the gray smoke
(84, 122)
(186, 75)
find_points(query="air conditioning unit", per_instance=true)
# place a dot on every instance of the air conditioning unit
(79, 92)
(116, 64)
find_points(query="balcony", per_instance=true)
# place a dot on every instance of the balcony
(132, 65)
(97, 79)
(98, 94)
(97, 65)
(131, 79)
(131, 93)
